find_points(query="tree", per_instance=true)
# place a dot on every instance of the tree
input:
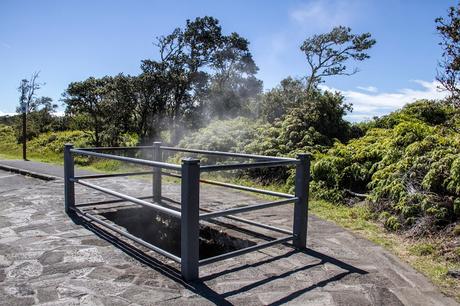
(234, 85)
(312, 125)
(152, 90)
(279, 100)
(27, 90)
(201, 71)
(41, 116)
(328, 53)
(87, 98)
(183, 56)
(119, 101)
(449, 29)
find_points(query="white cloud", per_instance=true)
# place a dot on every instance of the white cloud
(6, 114)
(368, 88)
(369, 104)
(57, 113)
(323, 14)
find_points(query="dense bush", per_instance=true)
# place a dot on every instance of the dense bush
(222, 135)
(311, 126)
(408, 162)
(7, 136)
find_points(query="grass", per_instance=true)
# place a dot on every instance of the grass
(424, 254)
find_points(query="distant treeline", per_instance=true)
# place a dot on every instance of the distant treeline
(199, 74)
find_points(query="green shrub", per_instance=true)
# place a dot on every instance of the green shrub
(422, 249)
(221, 135)
(392, 223)
(408, 162)
(456, 230)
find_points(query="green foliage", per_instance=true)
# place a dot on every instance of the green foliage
(8, 120)
(456, 230)
(422, 249)
(448, 28)
(407, 161)
(328, 53)
(49, 146)
(7, 138)
(200, 74)
(278, 101)
(392, 223)
(430, 112)
(311, 126)
(222, 135)
(330, 194)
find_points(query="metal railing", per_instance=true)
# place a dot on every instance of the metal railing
(189, 213)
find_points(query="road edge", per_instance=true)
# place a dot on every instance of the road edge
(33, 174)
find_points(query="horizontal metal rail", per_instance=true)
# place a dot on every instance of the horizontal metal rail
(115, 148)
(238, 210)
(238, 187)
(239, 166)
(253, 223)
(261, 225)
(130, 199)
(256, 247)
(128, 159)
(128, 235)
(109, 201)
(220, 153)
(96, 176)
(250, 189)
(238, 219)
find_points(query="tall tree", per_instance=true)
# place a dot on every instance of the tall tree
(234, 84)
(87, 98)
(196, 61)
(40, 116)
(27, 90)
(327, 54)
(449, 76)
(199, 69)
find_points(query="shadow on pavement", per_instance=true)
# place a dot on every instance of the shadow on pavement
(201, 288)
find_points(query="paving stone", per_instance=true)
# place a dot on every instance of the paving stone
(356, 298)
(45, 295)
(51, 257)
(383, 296)
(46, 258)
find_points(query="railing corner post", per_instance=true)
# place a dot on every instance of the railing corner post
(156, 181)
(190, 227)
(302, 178)
(69, 185)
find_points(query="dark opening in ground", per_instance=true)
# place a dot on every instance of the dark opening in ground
(163, 231)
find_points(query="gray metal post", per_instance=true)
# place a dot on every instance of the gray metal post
(156, 182)
(69, 188)
(190, 227)
(302, 178)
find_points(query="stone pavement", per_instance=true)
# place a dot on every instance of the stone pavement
(45, 258)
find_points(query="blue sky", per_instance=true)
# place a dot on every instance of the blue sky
(72, 40)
